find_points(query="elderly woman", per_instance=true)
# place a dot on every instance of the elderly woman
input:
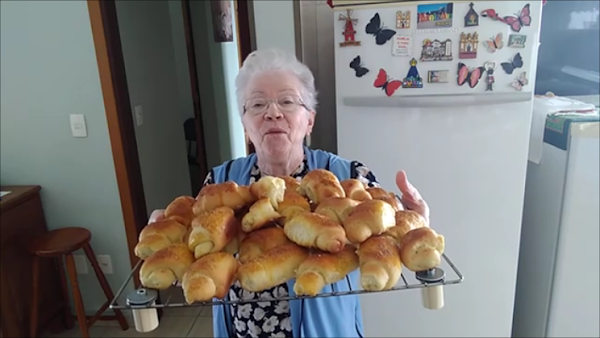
(277, 99)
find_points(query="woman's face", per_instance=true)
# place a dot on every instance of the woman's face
(276, 131)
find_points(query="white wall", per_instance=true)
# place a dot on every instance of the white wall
(150, 65)
(49, 71)
(274, 24)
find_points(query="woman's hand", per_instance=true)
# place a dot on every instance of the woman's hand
(156, 216)
(411, 198)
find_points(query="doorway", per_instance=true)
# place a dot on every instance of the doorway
(126, 120)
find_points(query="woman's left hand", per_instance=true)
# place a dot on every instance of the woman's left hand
(411, 198)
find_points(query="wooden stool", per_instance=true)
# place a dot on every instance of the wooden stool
(63, 242)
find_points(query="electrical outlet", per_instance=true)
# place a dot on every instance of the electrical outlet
(80, 264)
(105, 264)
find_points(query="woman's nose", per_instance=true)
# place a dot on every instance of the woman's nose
(273, 112)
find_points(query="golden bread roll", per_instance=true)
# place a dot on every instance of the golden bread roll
(269, 187)
(260, 214)
(291, 183)
(372, 217)
(212, 231)
(389, 197)
(271, 268)
(421, 249)
(208, 277)
(181, 210)
(166, 266)
(260, 241)
(234, 244)
(336, 208)
(322, 268)
(159, 235)
(312, 230)
(227, 194)
(380, 264)
(406, 220)
(292, 204)
(355, 189)
(320, 184)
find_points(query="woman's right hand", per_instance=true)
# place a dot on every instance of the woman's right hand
(156, 216)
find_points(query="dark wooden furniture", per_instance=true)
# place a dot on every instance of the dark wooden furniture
(61, 243)
(21, 219)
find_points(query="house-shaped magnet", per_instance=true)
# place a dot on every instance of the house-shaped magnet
(472, 18)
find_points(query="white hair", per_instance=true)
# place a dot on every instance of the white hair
(273, 59)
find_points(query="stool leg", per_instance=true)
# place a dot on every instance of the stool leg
(68, 319)
(81, 318)
(104, 284)
(33, 320)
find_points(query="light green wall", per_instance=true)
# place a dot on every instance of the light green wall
(48, 71)
(218, 65)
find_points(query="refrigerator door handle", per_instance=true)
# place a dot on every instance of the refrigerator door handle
(438, 101)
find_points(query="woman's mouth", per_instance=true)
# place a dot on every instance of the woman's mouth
(272, 131)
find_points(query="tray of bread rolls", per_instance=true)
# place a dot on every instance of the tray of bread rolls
(314, 232)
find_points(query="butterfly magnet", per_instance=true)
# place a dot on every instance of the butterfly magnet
(520, 82)
(412, 79)
(359, 70)
(389, 86)
(469, 76)
(510, 66)
(375, 28)
(516, 22)
(493, 44)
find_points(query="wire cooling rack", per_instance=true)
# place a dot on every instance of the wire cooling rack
(408, 281)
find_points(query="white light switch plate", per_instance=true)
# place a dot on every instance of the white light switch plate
(139, 115)
(105, 264)
(78, 127)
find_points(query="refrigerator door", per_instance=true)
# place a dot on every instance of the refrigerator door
(465, 149)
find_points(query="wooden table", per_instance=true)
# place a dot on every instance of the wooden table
(21, 219)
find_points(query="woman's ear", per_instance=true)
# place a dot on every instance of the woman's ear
(311, 122)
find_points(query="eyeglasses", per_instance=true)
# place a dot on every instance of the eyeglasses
(286, 104)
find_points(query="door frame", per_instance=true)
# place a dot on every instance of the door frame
(113, 79)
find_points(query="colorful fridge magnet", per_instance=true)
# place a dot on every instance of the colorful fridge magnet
(412, 79)
(494, 44)
(402, 45)
(436, 50)
(437, 76)
(489, 67)
(349, 31)
(388, 85)
(402, 19)
(520, 82)
(471, 76)
(375, 28)
(359, 70)
(510, 66)
(467, 48)
(517, 40)
(434, 15)
(472, 18)
(521, 19)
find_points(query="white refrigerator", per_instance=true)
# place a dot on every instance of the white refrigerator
(463, 143)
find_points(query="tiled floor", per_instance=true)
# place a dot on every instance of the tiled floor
(177, 322)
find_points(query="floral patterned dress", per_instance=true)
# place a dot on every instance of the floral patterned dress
(272, 319)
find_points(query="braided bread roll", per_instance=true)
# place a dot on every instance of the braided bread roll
(209, 277)
(269, 187)
(380, 264)
(312, 230)
(181, 210)
(212, 231)
(406, 220)
(261, 241)
(355, 189)
(260, 214)
(421, 249)
(371, 217)
(336, 208)
(389, 197)
(228, 194)
(293, 203)
(320, 184)
(323, 268)
(159, 235)
(166, 266)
